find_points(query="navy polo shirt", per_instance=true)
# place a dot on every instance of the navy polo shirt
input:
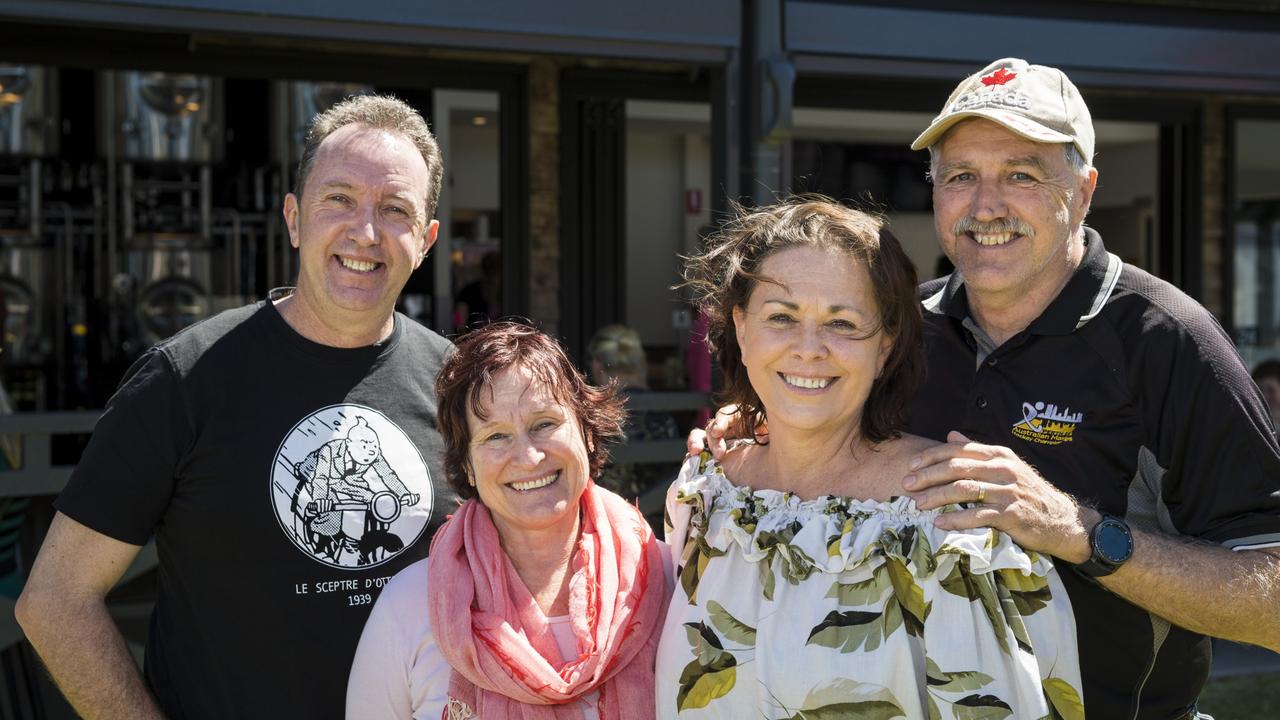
(1127, 394)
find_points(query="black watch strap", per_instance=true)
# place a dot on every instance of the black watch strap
(1110, 545)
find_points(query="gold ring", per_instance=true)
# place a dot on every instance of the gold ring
(982, 494)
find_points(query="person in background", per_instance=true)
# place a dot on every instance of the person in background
(480, 301)
(1267, 375)
(617, 355)
(697, 358)
(544, 593)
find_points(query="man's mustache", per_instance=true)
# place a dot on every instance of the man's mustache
(968, 224)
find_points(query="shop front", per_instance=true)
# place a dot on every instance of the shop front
(145, 148)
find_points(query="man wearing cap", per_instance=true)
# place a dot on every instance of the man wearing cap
(1158, 483)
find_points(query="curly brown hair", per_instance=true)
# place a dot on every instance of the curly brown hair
(726, 271)
(485, 353)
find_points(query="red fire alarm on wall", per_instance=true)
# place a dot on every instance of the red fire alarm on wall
(693, 201)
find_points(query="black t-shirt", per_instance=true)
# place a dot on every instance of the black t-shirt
(1127, 394)
(224, 443)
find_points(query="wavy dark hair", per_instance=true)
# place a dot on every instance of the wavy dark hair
(485, 353)
(724, 273)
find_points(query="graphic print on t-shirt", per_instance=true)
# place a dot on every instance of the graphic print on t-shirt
(349, 488)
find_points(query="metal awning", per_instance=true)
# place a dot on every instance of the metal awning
(673, 30)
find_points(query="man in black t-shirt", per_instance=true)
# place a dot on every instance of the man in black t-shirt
(283, 456)
(1158, 491)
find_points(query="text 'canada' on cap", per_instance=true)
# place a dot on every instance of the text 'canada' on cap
(1035, 101)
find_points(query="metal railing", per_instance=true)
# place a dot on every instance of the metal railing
(36, 474)
(658, 451)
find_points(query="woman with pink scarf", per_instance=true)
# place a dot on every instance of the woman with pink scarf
(543, 595)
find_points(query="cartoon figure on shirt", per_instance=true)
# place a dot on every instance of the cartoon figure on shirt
(345, 495)
(347, 476)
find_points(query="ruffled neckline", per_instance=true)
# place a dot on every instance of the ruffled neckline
(834, 534)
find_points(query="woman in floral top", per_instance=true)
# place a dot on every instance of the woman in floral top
(807, 588)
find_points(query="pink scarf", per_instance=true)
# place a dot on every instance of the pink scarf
(505, 660)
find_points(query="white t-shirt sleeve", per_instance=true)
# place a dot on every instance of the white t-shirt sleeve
(398, 672)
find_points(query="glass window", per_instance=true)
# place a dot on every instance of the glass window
(468, 287)
(668, 192)
(1125, 207)
(1256, 210)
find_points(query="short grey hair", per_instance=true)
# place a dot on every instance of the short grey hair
(1074, 160)
(380, 112)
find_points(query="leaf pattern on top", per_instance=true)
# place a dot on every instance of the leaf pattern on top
(1064, 699)
(981, 707)
(732, 628)
(845, 698)
(712, 673)
(848, 631)
(868, 590)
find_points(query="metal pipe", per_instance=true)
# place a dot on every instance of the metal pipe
(37, 196)
(270, 240)
(62, 261)
(111, 266)
(127, 201)
(206, 200)
(251, 275)
(232, 259)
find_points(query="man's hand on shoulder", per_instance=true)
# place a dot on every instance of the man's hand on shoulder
(1006, 493)
(716, 436)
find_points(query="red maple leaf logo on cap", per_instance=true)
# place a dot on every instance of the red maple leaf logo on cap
(999, 77)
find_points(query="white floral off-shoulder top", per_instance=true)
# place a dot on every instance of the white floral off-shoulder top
(844, 608)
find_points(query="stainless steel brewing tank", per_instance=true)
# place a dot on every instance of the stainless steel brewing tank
(173, 272)
(166, 116)
(28, 275)
(27, 282)
(302, 102)
(28, 111)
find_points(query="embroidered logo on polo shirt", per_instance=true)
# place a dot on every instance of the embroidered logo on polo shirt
(1046, 424)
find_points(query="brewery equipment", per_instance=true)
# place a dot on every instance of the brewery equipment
(165, 134)
(297, 104)
(29, 253)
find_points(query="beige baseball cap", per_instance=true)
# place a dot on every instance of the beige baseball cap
(1035, 101)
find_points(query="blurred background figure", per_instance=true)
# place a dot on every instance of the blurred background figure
(478, 302)
(1267, 375)
(617, 354)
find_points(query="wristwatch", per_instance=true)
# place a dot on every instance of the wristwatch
(1110, 544)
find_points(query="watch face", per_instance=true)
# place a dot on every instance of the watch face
(1113, 542)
